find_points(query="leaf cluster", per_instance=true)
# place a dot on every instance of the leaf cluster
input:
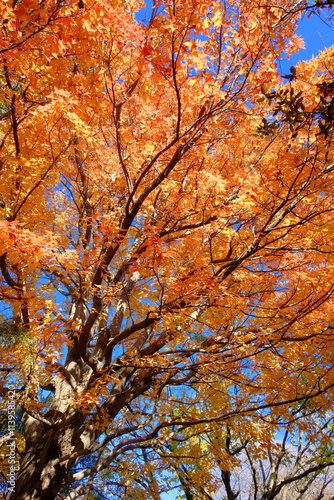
(290, 108)
(12, 331)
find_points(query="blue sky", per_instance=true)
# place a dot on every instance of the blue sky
(318, 34)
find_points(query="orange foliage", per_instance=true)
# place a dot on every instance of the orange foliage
(154, 237)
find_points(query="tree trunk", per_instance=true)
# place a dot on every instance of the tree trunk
(39, 477)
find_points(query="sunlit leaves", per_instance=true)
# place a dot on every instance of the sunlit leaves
(171, 265)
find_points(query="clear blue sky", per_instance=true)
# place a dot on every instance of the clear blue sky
(318, 34)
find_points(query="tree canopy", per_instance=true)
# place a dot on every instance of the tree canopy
(167, 216)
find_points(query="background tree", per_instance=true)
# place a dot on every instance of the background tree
(251, 461)
(167, 262)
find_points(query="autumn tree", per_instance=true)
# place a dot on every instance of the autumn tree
(166, 235)
(254, 459)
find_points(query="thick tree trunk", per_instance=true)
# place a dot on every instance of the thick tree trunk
(38, 483)
(39, 478)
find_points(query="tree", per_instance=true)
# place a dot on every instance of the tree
(166, 259)
(253, 462)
